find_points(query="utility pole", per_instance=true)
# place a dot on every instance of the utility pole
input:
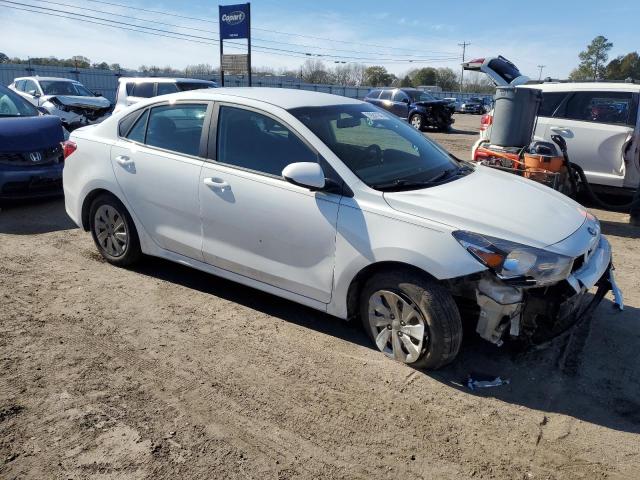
(464, 46)
(540, 67)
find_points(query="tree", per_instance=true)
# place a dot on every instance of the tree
(447, 79)
(425, 76)
(315, 71)
(623, 67)
(4, 58)
(406, 82)
(592, 60)
(80, 61)
(199, 69)
(376, 76)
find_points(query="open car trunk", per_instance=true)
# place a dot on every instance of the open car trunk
(501, 71)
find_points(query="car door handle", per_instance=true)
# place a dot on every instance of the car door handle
(216, 183)
(559, 129)
(124, 160)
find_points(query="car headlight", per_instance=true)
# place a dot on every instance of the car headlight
(515, 262)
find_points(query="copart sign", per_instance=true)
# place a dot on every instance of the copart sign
(234, 21)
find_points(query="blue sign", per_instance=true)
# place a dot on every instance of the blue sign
(234, 21)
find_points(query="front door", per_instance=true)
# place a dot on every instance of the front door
(157, 166)
(254, 222)
(597, 127)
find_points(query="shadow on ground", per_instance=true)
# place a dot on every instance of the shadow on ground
(605, 389)
(31, 217)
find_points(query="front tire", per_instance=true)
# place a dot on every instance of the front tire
(417, 121)
(411, 319)
(113, 231)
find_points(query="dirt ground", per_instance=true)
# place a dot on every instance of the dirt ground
(163, 372)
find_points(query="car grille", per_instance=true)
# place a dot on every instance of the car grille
(48, 156)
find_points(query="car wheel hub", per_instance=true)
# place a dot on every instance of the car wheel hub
(111, 231)
(398, 326)
(416, 121)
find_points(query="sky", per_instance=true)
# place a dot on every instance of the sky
(371, 32)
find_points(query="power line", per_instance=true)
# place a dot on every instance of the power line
(464, 46)
(114, 4)
(412, 57)
(205, 40)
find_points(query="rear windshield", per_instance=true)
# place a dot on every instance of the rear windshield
(13, 105)
(418, 96)
(503, 67)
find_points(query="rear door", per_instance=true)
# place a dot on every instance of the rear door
(598, 127)
(157, 164)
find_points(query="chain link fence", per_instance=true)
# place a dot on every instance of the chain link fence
(105, 82)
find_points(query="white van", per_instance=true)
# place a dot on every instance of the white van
(599, 122)
(133, 89)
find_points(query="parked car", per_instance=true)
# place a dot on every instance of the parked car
(338, 205)
(65, 98)
(420, 108)
(131, 90)
(473, 105)
(599, 122)
(30, 149)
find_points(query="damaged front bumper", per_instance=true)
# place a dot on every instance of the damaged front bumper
(537, 314)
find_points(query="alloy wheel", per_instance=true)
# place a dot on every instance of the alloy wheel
(111, 230)
(416, 121)
(398, 326)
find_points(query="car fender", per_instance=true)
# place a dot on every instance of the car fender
(366, 237)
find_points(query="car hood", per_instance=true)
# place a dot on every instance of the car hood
(495, 203)
(27, 134)
(83, 102)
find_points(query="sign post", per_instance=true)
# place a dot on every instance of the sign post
(235, 23)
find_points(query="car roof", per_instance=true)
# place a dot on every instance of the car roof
(163, 79)
(584, 86)
(286, 98)
(48, 79)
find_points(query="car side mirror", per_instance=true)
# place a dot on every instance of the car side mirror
(42, 110)
(405, 100)
(305, 174)
(97, 94)
(33, 93)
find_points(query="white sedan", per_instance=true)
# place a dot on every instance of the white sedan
(338, 205)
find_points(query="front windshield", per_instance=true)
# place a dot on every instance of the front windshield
(382, 150)
(418, 96)
(13, 105)
(60, 87)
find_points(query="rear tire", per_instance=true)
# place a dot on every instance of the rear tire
(113, 231)
(411, 318)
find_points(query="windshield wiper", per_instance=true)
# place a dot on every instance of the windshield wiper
(402, 184)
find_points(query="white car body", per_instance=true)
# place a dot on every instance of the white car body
(310, 246)
(74, 110)
(608, 150)
(153, 87)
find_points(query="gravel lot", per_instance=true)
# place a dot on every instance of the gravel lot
(165, 372)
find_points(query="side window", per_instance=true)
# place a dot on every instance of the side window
(20, 85)
(373, 94)
(617, 108)
(139, 129)
(143, 90)
(30, 87)
(257, 142)
(166, 88)
(550, 102)
(176, 127)
(129, 88)
(385, 95)
(399, 96)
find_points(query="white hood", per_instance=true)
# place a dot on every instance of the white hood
(78, 101)
(496, 203)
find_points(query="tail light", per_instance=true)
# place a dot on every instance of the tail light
(485, 121)
(68, 147)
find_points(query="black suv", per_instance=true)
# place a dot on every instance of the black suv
(420, 108)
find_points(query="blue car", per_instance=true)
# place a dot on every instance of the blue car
(31, 156)
(420, 109)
